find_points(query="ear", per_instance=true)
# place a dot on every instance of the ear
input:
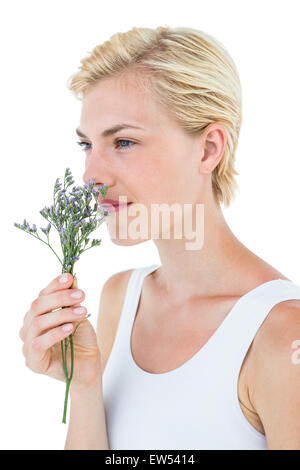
(214, 141)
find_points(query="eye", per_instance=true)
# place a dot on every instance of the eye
(117, 141)
(81, 144)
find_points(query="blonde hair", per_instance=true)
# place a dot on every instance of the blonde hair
(193, 76)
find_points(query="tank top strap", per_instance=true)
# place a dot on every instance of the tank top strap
(120, 352)
(133, 293)
(245, 319)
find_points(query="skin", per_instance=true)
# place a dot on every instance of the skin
(155, 170)
(185, 300)
(42, 332)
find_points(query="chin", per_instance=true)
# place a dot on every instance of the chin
(122, 238)
(127, 241)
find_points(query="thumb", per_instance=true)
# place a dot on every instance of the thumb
(74, 283)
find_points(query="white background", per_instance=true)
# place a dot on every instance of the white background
(41, 46)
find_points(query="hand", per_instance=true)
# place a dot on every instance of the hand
(42, 333)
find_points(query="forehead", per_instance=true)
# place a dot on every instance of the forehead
(120, 99)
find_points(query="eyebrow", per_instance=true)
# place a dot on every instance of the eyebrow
(110, 131)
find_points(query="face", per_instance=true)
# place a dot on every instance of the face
(154, 163)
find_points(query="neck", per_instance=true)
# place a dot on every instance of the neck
(208, 270)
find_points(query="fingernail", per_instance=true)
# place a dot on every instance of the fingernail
(63, 278)
(67, 327)
(78, 310)
(77, 294)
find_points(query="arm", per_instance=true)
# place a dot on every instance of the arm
(276, 388)
(87, 427)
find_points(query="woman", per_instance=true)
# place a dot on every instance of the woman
(195, 353)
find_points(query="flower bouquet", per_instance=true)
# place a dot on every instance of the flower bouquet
(74, 216)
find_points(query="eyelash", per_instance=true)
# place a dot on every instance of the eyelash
(81, 144)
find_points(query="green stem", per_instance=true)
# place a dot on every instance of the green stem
(64, 352)
(72, 357)
(63, 355)
(79, 323)
(87, 249)
(65, 366)
(37, 236)
(66, 401)
(49, 247)
(53, 251)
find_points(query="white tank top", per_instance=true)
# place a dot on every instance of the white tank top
(196, 405)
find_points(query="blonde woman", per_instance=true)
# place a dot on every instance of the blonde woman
(194, 353)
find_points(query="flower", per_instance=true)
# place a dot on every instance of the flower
(45, 230)
(74, 218)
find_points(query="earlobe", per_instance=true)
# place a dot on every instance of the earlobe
(207, 166)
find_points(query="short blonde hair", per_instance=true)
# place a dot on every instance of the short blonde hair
(193, 76)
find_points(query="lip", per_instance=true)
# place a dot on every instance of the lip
(114, 202)
(114, 207)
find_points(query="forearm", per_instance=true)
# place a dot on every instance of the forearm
(87, 426)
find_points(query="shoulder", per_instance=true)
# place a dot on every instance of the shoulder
(275, 378)
(110, 308)
(278, 330)
(116, 282)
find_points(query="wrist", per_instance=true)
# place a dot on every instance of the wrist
(91, 384)
(79, 391)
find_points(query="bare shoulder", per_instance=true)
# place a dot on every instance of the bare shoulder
(110, 308)
(275, 368)
(277, 332)
(280, 324)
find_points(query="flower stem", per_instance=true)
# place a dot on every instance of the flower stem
(63, 355)
(49, 247)
(66, 401)
(64, 351)
(72, 357)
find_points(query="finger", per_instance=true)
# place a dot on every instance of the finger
(39, 345)
(60, 282)
(47, 303)
(57, 318)
(21, 333)
(43, 323)
(64, 298)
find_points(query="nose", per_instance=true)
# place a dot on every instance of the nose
(95, 168)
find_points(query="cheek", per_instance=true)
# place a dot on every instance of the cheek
(159, 168)
(156, 182)
(160, 177)
(172, 177)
